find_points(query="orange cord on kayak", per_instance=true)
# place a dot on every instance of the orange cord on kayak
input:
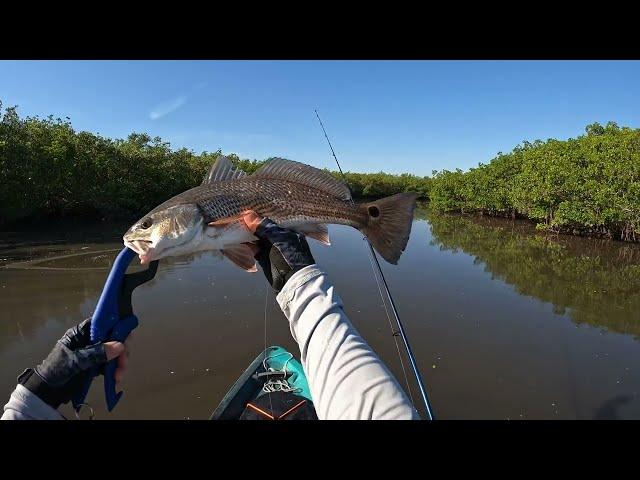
(271, 417)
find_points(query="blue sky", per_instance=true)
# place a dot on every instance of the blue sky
(409, 116)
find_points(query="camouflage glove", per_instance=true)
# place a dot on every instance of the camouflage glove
(281, 252)
(61, 374)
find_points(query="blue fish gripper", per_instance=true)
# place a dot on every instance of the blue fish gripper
(113, 320)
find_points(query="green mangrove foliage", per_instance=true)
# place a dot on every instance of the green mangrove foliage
(375, 185)
(594, 282)
(47, 169)
(587, 185)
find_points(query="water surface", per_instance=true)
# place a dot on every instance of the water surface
(505, 323)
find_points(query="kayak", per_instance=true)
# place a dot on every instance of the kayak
(273, 387)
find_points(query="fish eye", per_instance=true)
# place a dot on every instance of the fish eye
(146, 223)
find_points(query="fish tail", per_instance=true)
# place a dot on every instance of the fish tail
(389, 224)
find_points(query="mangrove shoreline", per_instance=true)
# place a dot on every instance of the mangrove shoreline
(588, 186)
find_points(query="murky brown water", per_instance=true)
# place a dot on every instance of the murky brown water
(504, 323)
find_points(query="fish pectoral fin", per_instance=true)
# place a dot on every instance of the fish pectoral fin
(317, 231)
(223, 222)
(242, 256)
(230, 231)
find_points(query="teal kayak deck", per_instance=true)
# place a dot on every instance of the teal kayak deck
(278, 358)
(248, 387)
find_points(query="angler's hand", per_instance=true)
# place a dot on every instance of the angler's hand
(280, 252)
(62, 373)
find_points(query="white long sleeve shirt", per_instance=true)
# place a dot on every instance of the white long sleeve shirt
(346, 378)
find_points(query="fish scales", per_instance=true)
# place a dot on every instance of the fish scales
(283, 201)
(292, 194)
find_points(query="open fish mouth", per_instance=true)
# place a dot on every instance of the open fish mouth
(143, 248)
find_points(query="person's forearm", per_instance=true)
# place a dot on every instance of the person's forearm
(25, 405)
(347, 379)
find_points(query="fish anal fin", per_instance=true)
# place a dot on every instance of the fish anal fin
(222, 169)
(317, 231)
(242, 256)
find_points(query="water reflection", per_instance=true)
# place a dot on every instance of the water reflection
(61, 285)
(499, 317)
(595, 282)
(611, 409)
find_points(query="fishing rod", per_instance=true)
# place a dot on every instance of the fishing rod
(403, 335)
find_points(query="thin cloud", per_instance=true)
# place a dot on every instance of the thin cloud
(167, 107)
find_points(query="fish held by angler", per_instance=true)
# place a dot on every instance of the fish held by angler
(292, 194)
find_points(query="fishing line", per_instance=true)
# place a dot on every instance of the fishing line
(394, 335)
(384, 304)
(29, 264)
(279, 384)
(266, 301)
(401, 331)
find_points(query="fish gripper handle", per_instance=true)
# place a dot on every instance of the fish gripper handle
(113, 320)
(119, 334)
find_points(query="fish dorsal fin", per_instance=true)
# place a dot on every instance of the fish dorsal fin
(222, 169)
(282, 169)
